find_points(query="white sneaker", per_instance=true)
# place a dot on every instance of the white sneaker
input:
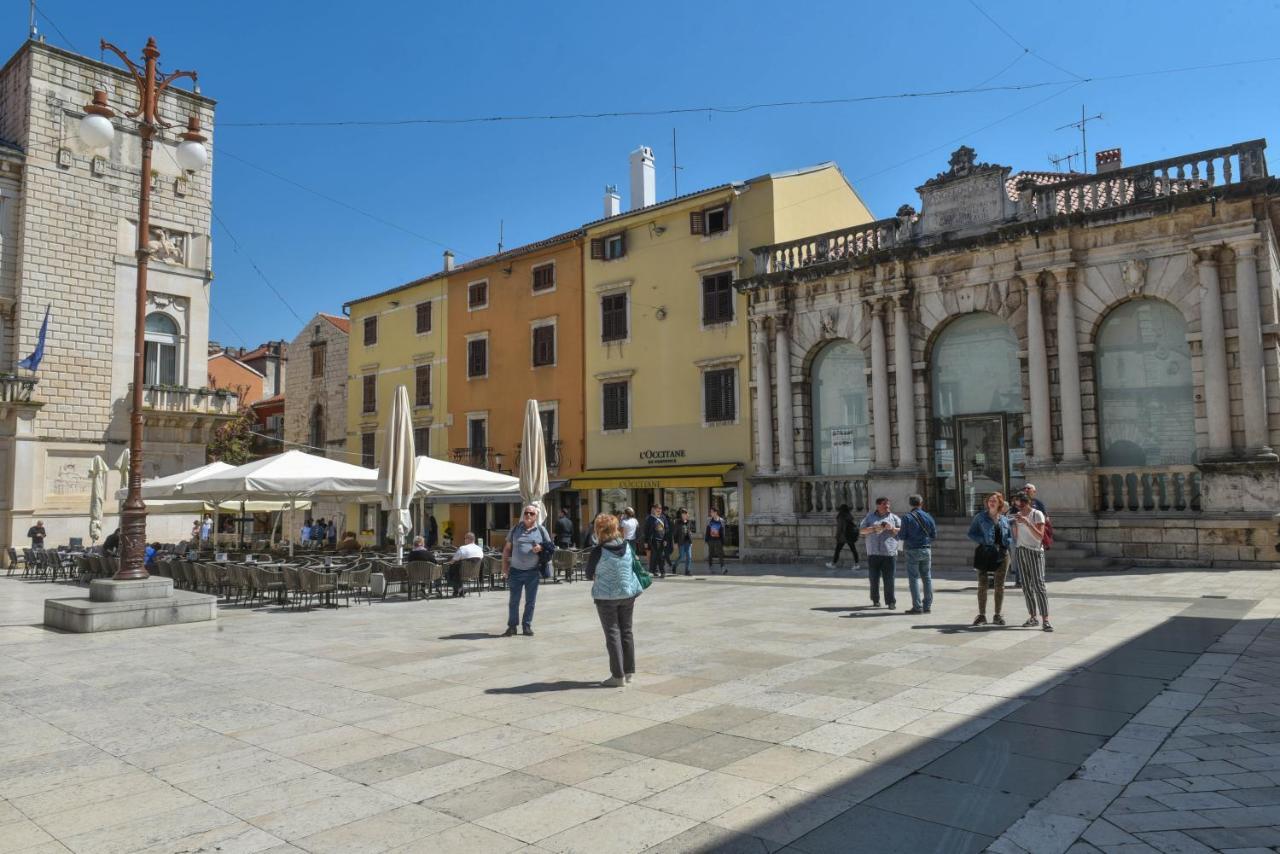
(629, 677)
(613, 682)
(831, 565)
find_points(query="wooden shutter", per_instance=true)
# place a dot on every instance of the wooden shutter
(544, 345)
(597, 248)
(370, 396)
(370, 330)
(424, 317)
(697, 222)
(622, 238)
(422, 388)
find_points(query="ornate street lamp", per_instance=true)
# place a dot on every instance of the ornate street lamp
(97, 131)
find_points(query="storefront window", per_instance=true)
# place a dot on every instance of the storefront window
(674, 499)
(975, 367)
(841, 434)
(614, 501)
(1144, 386)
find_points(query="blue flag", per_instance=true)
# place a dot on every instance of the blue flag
(32, 362)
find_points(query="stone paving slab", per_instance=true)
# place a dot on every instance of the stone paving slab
(772, 711)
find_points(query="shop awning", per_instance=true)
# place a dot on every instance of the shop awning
(654, 477)
(485, 498)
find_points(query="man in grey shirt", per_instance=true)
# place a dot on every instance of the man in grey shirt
(880, 532)
(521, 565)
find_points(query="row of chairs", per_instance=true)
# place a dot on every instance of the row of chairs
(247, 583)
(43, 564)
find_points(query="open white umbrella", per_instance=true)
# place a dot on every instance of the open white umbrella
(97, 495)
(443, 480)
(533, 461)
(399, 471)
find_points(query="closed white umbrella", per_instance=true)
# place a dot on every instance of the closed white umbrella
(122, 466)
(97, 495)
(533, 461)
(400, 469)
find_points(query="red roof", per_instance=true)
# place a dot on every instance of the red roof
(342, 323)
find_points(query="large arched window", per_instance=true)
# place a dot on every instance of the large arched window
(841, 438)
(162, 340)
(317, 429)
(975, 367)
(1145, 410)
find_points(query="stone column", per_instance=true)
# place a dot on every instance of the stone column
(1038, 370)
(764, 395)
(1253, 378)
(1217, 401)
(1069, 370)
(904, 385)
(786, 426)
(879, 387)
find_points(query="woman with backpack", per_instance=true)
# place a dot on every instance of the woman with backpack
(614, 587)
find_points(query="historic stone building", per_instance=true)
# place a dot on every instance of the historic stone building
(315, 394)
(1111, 337)
(68, 217)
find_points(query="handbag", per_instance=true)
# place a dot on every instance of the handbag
(642, 574)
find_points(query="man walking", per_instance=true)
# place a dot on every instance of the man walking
(655, 537)
(880, 527)
(564, 529)
(522, 565)
(917, 535)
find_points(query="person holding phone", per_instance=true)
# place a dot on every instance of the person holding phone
(880, 528)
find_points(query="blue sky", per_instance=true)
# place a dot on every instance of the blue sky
(450, 185)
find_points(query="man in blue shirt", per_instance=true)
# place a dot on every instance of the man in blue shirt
(880, 529)
(917, 533)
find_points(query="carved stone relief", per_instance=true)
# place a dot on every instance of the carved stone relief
(168, 245)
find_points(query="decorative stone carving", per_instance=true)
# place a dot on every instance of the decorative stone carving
(167, 245)
(1134, 274)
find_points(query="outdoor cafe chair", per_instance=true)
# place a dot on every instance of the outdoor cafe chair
(418, 577)
(321, 585)
(392, 574)
(357, 581)
(562, 561)
(469, 570)
(292, 583)
(268, 581)
(13, 560)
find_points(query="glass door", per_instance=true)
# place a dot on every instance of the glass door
(725, 500)
(983, 461)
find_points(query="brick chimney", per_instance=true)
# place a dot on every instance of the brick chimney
(1107, 161)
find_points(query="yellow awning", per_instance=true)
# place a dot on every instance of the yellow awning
(654, 477)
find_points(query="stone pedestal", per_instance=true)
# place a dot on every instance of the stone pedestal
(113, 605)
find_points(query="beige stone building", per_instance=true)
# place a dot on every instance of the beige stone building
(1111, 337)
(67, 244)
(315, 394)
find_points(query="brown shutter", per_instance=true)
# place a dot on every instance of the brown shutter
(697, 222)
(597, 248)
(623, 238)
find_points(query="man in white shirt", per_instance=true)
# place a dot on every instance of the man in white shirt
(468, 549)
(1028, 534)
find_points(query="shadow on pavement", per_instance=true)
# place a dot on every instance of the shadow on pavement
(545, 687)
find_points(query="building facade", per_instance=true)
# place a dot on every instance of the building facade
(315, 395)
(1111, 337)
(68, 221)
(667, 340)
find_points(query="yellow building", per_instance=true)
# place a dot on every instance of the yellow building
(397, 338)
(667, 341)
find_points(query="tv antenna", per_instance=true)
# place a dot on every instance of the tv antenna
(675, 166)
(32, 33)
(1058, 159)
(501, 228)
(1082, 126)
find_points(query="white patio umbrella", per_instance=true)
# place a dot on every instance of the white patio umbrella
(400, 467)
(533, 461)
(97, 495)
(122, 466)
(443, 479)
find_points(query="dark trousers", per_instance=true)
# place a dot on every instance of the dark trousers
(615, 619)
(840, 544)
(522, 580)
(715, 549)
(657, 557)
(880, 568)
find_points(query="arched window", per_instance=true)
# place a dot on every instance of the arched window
(317, 429)
(162, 340)
(975, 367)
(841, 437)
(1146, 412)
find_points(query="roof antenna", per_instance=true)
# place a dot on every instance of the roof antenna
(32, 33)
(675, 166)
(1058, 159)
(1084, 140)
(501, 228)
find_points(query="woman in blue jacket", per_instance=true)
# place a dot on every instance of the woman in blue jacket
(614, 587)
(990, 530)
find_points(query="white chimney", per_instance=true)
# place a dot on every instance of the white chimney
(448, 260)
(612, 201)
(643, 183)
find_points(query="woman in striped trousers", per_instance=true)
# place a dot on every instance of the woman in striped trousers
(1028, 533)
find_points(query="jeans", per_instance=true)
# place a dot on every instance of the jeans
(657, 557)
(522, 580)
(881, 568)
(920, 568)
(615, 619)
(686, 556)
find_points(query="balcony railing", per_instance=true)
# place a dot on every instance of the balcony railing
(16, 389)
(1147, 490)
(825, 493)
(831, 246)
(180, 400)
(554, 454)
(475, 457)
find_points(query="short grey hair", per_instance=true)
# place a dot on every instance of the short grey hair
(915, 500)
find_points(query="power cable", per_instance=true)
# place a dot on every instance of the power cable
(236, 245)
(56, 28)
(1026, 49)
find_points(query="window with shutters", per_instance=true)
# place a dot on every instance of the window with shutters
(544, 277)
(613, 317)
(609, 248)
(544, 345)
(370, 331)
(368, 458)
(709, 221)
(717, 299)
(477, 358)
(477, 433)
(719, 399)
(616, 405)
(422, 441)
(422, 385)
(317, 359)
(424, 317)
(478, 295)
(369, 393)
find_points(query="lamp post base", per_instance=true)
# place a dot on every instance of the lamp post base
(133, 543)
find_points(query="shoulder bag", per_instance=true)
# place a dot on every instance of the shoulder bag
(642, 574)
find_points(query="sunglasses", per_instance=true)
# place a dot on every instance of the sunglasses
(530, 513)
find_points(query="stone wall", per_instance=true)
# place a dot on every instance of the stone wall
(302, 393)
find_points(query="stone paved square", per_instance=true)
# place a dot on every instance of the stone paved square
(771, 711)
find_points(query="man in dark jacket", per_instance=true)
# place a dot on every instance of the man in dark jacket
(564, 529)
(846, 535)
(656, 531)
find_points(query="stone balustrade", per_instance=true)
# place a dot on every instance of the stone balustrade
(825, 493)
(181, 400)
(1174, 489)
(16, 389)
(831, 246)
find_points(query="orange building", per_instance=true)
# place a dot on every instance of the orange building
(515, 333)
(230, 374)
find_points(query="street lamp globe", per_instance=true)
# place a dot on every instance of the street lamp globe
(96, 130)
(191, 155)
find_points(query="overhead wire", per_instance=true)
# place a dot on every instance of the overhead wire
(56, 28)
(238, 248)
(1025, 48)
